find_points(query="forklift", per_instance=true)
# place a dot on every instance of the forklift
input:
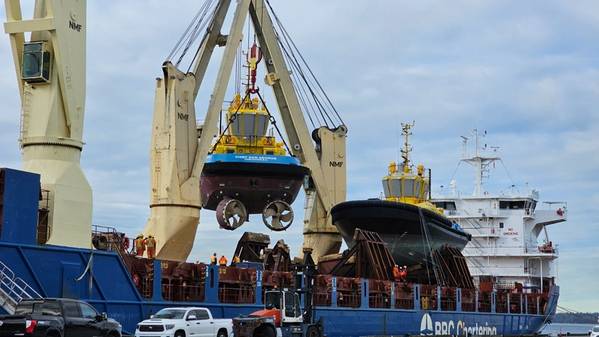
(282, 314)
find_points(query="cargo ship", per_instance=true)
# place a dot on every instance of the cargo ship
(49, 247)
(131, 289)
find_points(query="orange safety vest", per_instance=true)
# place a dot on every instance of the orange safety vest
(396, 273)
(213, 259)
(236, 259)
(139, 244)
(222, 261)
(150, 243)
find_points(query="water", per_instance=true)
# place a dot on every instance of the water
(563, 328)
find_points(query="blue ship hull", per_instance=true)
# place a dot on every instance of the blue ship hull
(385, 322)
(53, 272)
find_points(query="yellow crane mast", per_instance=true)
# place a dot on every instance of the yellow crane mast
(180, 148)
(50, 69)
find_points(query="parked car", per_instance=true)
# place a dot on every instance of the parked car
(595, 331)
(184, 322)
(58, 317)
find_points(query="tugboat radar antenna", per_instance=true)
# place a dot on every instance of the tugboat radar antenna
(478, 160)
(406, 130)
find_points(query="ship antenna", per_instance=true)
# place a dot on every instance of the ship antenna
(479, 161)
(406, 130)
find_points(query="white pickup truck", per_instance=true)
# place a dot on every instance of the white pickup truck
(184, 322)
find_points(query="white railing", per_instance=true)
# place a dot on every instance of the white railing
(474, 249)
(13, 289)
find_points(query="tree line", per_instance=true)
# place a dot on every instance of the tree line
(580, 317)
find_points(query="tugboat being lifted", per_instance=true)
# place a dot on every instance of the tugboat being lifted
(406, 220)
(248, 171)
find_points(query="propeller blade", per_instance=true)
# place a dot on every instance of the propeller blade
(287, 217)
(276, 223)
(269, 211)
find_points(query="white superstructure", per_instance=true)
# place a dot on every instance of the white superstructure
(510, 243)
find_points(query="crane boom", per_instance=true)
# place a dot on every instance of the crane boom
(325, 159)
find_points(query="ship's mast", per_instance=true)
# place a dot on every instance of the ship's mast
(478, 160)
(406, 131)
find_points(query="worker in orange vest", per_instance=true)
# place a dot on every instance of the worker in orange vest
(140, 245)
(236, 260)
(403, 273)
(151, 246)
(222, 261)
(396, 273)
(213, 259)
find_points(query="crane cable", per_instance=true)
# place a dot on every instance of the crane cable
(198, 24)
(306, 79)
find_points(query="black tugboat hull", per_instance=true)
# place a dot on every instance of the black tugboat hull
(400, 226)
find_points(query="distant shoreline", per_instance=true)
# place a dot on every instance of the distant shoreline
(575, 329)
(577, 318)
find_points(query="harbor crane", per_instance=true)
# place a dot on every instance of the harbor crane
(180, 147)
(50, 70)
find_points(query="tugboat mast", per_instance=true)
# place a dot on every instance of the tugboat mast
(406, 130)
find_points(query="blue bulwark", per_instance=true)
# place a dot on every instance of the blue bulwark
(252, 158)
(19, 202)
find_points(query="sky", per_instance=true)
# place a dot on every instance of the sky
(526, 72)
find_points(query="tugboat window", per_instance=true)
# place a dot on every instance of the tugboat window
(395, 187)
(409, 188)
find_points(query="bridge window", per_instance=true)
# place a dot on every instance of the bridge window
(446, 205)
(518, 204)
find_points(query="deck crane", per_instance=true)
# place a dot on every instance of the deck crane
(50, 70)
(180, 147)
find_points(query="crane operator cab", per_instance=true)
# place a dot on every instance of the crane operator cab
(287, 303)
(37, 62)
